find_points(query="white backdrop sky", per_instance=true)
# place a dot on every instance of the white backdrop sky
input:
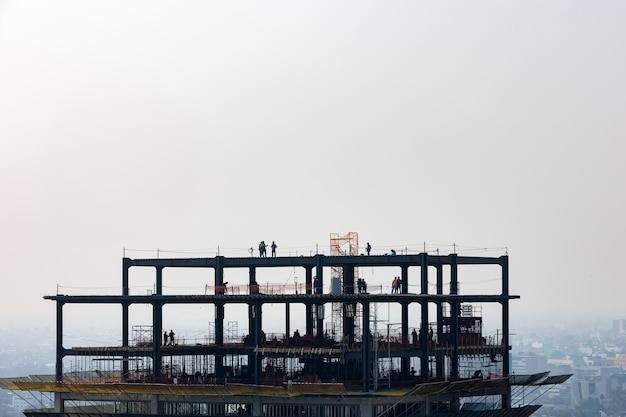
(186, 125)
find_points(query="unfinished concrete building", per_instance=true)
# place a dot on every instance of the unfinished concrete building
(434, 359)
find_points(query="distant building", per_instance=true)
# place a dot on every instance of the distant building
(18, 404)
(528, 363)
(581, 389)
(619, 327)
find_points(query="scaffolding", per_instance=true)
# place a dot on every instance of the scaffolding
(346, 245)
(143, 335)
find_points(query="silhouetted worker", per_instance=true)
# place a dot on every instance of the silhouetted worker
(262, 249)
(165, 338)
(393, 252)
(368, 248)
(274, 249)
(394, 285)
(414, 337)
(172, 337)
(317, 286)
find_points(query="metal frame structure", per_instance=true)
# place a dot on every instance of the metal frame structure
(343, 370)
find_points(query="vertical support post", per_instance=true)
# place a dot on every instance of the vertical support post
(349, 308)
(404, 361)
(319, 270)
(125, 268)
(60, 350)
(157, 325)
(366, 409)
(439, 362)
(219, 315)
(254, 335)
(159, 281)
(319, 314)
(504, 263)
(288, 319)
(59, 402)
(424, 374)
(308, 280)
(125, 340)
(367, 347)
(157, 339)
(258, 342)
(257, 407)
(252, 284)
(454, 319)
(308, 307)
(125, 315)
(318, 284)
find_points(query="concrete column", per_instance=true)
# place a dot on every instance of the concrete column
(425, 411)
(439, 364)
(423, 333)
(257, 407)
(288, 321)
(159, 280)
(125, 267)
(367, 347)
(365, 409)
(59, 403)
(349, 308)
(504, 262)
(60, 350)
(404, 307)
(125, 340)
(308, 307)
(157, 337)
(125, 320)
(454, 319)
(219, 315)
(255, 321)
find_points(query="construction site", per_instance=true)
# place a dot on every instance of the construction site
(318, 347)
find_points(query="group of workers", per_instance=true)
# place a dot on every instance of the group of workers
(168, 339)
(263, 249)
(396, 285)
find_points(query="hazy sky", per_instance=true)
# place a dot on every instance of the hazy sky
(198, 124)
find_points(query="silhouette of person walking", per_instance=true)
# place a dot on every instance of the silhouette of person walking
(273, 249)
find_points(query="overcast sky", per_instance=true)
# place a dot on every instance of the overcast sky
(196, 125)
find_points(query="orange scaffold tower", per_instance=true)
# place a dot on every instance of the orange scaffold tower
(341, 245)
